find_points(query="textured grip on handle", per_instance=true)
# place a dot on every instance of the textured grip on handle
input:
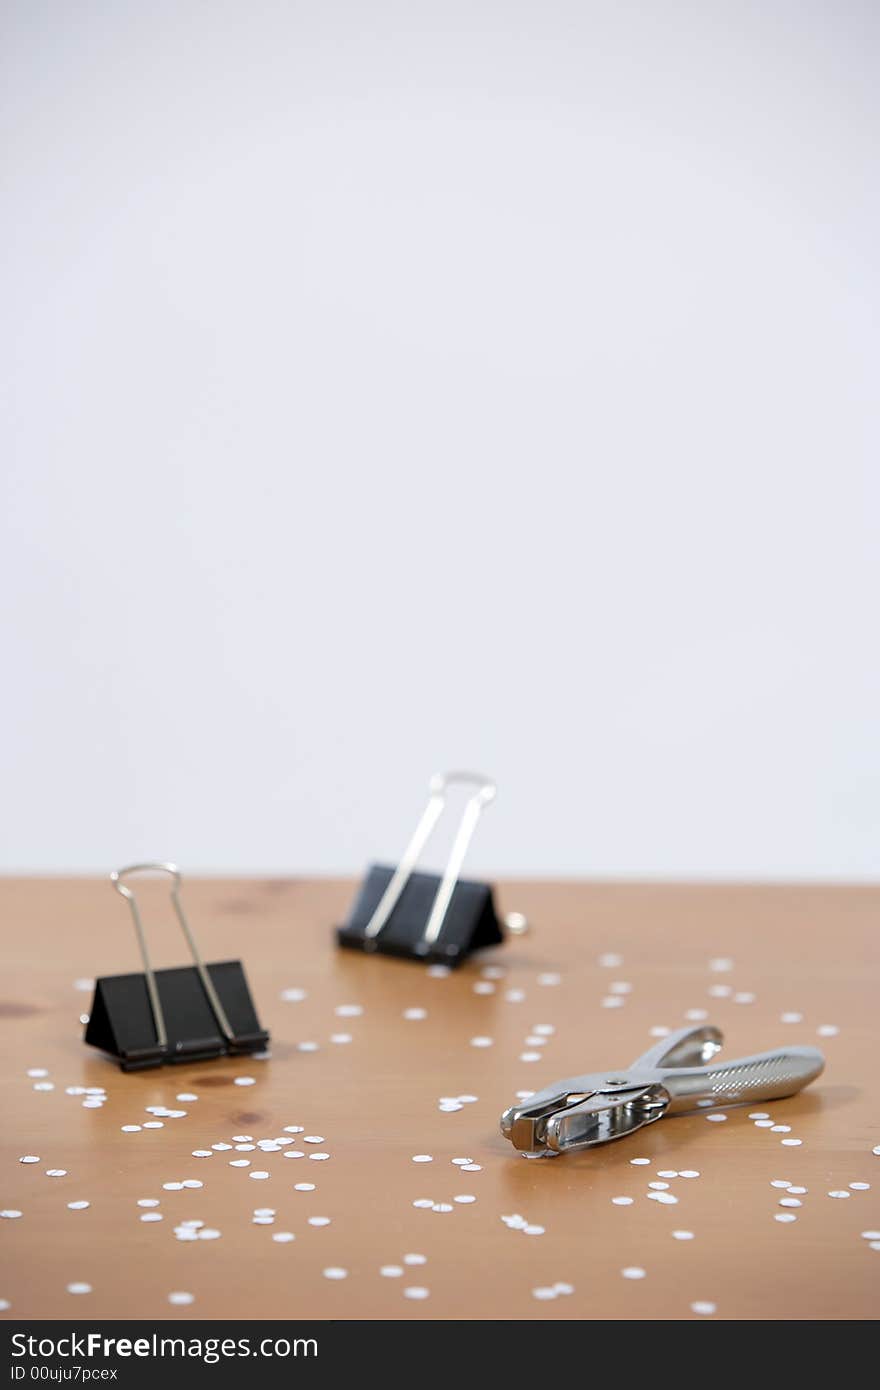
(766, 1076)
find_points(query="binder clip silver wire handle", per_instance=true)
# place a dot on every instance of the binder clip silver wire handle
(131, 898)
(482, 797)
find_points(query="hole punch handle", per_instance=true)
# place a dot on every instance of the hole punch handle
(686, 1047)
(765, 1076)
(483, 795)
(219, 1012)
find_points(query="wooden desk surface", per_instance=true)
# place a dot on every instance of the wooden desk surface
(807, 952)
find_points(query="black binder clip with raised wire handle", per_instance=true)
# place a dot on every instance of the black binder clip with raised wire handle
(426, 917)
(184, 1014)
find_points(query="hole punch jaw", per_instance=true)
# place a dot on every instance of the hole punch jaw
(582, 1118)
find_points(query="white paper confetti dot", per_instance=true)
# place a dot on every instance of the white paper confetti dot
(791, 1017)
(633, 1272)
(790, 1202)
(348, 1010)
(56, 1172)
(29, 1158)
(283, 1237)
(415, 1291)
(391, 1271)
(838, 1192)
(484, 987)
(780, 1182)
(422, 1158)
(151, 1216)
(307, 1047)
(639, 1162)
(828, 1030)
(785, 1216)
(705, 1309)
(10, 1214)
(79, 1288)
(696, 1015)
(293, 995)
(441, 1206)
(622, 1201)
(259, 1174)
(149, 1124)
(689, 1173)
(744, 996)
(682, 1235)
(245, 1080)
(758, 1115)
(791, 1143)
(481, 1042)
(78, 1206)
(667, 1198)
(173, 1186)
(544, 1292)
(530, 1057)
(334, 1272)
(191, 1182)
(659, 1186)
(180, 1297)
(472, 1168)
(716, 1118)
(464, 1198)
(303, 1187)
(860, 1186)
(549, 977)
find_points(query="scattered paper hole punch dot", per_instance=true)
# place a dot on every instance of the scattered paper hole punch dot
(430, 918)
(182, 1014)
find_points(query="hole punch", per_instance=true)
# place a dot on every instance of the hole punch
(428, 917)
(183, 1014)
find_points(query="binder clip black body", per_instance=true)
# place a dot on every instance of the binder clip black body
(428, 917)
(185, 1014)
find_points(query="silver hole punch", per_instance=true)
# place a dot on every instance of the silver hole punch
(183, 1014)
(423, 916)
(673, 1076)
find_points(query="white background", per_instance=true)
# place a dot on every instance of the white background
(396, 386)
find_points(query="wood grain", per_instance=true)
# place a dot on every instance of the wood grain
(809, 950)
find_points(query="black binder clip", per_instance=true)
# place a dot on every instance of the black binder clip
(185, 1014)
(426, 917)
